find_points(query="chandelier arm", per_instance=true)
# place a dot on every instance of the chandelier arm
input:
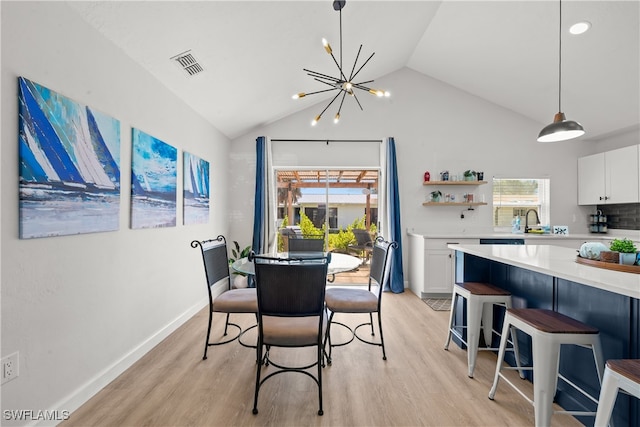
(321, 91)
(362, 86)
(351, 76)
(344, 94)
(316, 74)
(329, 104)
(362, 66)
(357, 100)
(339, 66)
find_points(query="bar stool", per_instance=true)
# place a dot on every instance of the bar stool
(480, 298)
(548, 330)
(618, 374)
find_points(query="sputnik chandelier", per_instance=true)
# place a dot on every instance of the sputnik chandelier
(345, 86)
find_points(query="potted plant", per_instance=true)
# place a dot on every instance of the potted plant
(627, 250)
(435, 195)
(469, 175)
(240, 280)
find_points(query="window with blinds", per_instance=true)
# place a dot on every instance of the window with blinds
(513, 197)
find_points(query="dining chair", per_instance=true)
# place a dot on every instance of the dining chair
(230, 301)
(306, 244)
(364, 244)
(357, 301)
(291, 313)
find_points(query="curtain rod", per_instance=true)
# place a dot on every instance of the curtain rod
(327, 140)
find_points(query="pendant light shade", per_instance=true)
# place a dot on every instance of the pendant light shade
(561, 129)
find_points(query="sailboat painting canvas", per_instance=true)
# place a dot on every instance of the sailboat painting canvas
(153, 182)
(69, 165)
(196, 190)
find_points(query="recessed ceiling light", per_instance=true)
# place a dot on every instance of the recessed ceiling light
(580, 27)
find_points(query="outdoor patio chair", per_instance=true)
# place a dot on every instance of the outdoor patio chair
(364, 244)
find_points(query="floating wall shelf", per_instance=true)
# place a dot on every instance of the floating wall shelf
(454, 183)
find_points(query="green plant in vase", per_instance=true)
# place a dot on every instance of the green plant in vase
(240, 280)
(436, 195)
(469, 175)
(627, 250)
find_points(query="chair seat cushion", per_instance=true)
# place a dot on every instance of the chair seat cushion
(346, 300)
(292, 331)
(237, 301)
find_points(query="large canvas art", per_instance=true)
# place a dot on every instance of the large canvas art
(153, 182)
(196, 190)
(69, 165)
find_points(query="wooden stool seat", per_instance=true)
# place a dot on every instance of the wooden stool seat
(479, 288)
(551, 322)
(479, 316)
(548, 331)
(619, 374)
(628, 368)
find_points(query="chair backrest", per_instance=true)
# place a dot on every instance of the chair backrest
(363, 237)
(379, 267)
(307, 244)
(216, 261)
(291, 287)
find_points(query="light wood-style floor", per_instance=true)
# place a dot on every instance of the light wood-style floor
(420, 384)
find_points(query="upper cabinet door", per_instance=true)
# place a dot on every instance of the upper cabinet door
(610, 177)
(591, 178)
(621, 168)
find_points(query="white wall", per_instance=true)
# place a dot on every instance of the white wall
(436, 127)
(80, 309)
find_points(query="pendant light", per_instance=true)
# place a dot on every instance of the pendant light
(561, 129)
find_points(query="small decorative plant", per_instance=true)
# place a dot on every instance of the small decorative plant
(236, 254)
(469, 175)
(435, 195)
(624, 246)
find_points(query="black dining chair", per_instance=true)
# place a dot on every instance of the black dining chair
(291, 313)
(216, 268)
(369, 301)
(306, 244)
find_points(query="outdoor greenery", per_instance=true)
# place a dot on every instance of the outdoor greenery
(623, 245)
(339, 241)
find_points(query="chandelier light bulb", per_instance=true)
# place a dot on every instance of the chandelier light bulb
(316, 120)
(327, 46)
(298, 95)
(336, 119)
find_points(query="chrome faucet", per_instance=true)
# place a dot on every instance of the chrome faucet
(526, 219)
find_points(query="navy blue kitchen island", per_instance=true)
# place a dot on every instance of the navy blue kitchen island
(545, 276)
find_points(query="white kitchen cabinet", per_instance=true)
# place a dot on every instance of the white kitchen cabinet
(610, 177)
(432, 265)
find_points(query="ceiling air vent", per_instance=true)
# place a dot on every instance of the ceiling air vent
(188, 63)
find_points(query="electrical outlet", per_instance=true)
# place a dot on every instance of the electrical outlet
(9, 367)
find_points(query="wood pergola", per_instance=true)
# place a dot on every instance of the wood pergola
(292, 180)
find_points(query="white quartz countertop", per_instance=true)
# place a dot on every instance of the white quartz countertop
(558, 262)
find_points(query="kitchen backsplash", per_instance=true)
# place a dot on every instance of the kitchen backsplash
(623, 216)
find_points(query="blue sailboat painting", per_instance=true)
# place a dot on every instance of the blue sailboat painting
(196, 190)
(153, 182)
(69, 165)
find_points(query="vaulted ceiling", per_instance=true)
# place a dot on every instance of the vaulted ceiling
(506, 52)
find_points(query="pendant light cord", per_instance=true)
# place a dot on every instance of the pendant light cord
(340, 39)
(559, 59)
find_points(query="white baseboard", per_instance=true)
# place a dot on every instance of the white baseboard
(97, 383)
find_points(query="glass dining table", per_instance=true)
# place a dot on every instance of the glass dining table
(339, 263)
